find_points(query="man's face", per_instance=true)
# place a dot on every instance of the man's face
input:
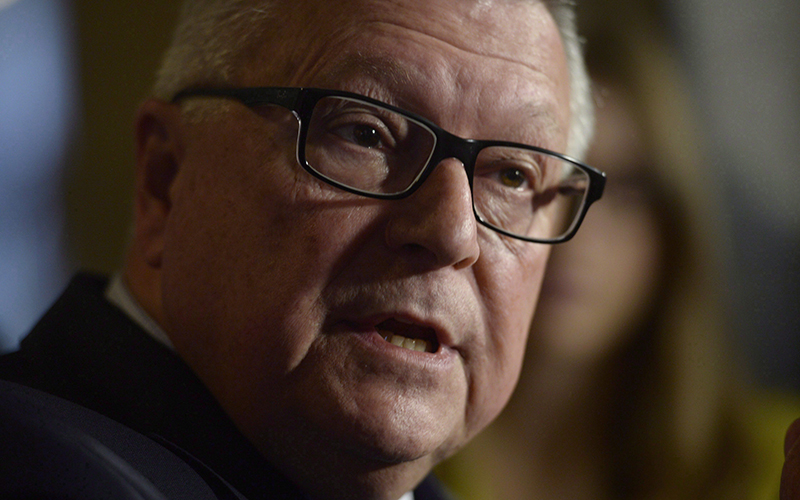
(279, 290)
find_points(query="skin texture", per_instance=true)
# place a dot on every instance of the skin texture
(270, 283)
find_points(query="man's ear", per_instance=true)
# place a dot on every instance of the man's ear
(159, 153)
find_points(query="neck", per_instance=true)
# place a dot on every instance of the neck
(325, 477)
(144, 284)
(328, 469)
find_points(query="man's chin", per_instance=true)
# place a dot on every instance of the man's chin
(395, 448)
(387, 426)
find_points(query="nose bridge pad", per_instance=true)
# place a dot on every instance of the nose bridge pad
(455, 148)
(299, 138)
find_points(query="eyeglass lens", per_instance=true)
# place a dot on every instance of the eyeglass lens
(373, 149)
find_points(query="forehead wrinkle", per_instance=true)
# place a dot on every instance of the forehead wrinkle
(387, 77)
(381, 68)
(314, 62)
(459, 48)
(543, 100)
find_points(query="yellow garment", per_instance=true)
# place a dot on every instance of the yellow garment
(768, 430)
(765, 426)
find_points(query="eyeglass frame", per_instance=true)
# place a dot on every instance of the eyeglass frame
(301, 101)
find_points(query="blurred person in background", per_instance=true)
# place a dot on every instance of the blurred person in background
(629, 389)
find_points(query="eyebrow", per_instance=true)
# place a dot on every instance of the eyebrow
(381, 67)
(390, 74)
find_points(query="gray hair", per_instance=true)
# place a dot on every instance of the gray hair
(581, 103)
(213, 35)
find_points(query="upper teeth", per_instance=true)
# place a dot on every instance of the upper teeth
(413, 344)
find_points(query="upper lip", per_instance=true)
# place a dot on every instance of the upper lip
(428, 304)
(443, 331)
(411, 329)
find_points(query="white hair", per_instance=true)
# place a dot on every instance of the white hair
(212, 36)
(581, 103)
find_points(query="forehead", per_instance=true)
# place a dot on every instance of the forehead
(417, 52)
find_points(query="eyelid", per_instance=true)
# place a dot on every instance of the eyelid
(350, 120)
(332, 110)
(527, 163)
(496, 168)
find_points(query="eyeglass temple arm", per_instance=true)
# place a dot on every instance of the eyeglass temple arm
(281, 96)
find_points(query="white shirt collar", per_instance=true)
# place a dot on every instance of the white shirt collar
(118, 294)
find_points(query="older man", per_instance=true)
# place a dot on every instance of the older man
(350, 281)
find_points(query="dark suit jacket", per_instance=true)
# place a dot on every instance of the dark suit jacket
(87, 351)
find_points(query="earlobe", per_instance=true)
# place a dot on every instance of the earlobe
(159, 152)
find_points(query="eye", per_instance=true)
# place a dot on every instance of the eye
(363, 135)
(510, 169)
(362, 130)
(513, 178)
(513, 175)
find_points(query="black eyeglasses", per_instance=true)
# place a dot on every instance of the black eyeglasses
(376, 150)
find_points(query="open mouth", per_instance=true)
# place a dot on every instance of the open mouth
(408, 335)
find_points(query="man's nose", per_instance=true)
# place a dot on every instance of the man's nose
(437, 221)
